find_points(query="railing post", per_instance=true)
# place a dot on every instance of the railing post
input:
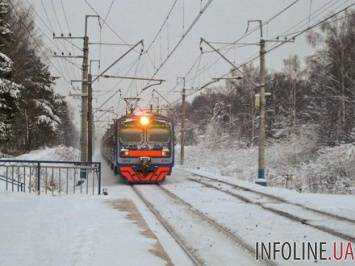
(99, 181)
(7, 178)
(39, 178)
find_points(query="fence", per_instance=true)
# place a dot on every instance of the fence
(55, 177)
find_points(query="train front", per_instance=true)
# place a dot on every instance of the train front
(145, 145)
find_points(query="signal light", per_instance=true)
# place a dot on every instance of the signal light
(144, 120)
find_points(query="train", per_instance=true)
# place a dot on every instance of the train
(140, 147)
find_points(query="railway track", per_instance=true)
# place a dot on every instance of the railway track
(183, 240)
(270, 203)
(195, 259)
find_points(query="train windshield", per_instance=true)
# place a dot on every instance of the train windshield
(130, 134)
(159, 132)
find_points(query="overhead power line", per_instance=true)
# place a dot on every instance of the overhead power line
(105, 22)
(65, 16)
(56, 16)
(49, 26)
(202, 11)
(162, 25)
(316, 13)
(117, 91)
(37, 44)
(254, 29)
(278, 45)
(109, 10)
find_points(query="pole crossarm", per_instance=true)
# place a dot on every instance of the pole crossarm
(119, 59)
(131, 77)
(66, 37)
(228, 61)
(68, 56)
(111, 44)
(76, 81)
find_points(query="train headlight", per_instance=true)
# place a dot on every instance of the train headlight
(165, 152)
(144, 121)
(124, 152)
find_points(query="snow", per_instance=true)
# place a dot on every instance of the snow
(57, 153)
(81, 229)
(211, 246)
(297, 163)
(342, 205)
(118, 229)
(48, 117)
(6, 63)
(69, 231)
(253, 223)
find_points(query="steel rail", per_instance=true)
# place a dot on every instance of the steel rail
(220, 228)
(287, 215)
(184, 246)
(339, 217)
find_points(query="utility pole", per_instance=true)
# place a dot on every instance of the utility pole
(261, 180)
(84, 99)
(183, 114)
(89, 118)
(84, 90)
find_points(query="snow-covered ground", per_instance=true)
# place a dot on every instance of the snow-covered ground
(342, 205)
(254, 224)
(119, 229)
(297, 164)
(57, 153)
(50, 179)
(40, 230)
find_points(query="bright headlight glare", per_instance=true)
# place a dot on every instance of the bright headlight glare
(144, 120)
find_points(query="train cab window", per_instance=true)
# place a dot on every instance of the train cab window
(158, 133)
(129, 134)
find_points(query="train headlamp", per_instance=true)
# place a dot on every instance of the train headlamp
(165, 152)
(124, 152)
(144, 121)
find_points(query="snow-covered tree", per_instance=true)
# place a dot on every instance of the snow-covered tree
(31, 113)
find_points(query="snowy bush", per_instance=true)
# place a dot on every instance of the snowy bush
(331, 172)
(6, 64)
(296, 163)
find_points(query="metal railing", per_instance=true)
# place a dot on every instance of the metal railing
(54, 177)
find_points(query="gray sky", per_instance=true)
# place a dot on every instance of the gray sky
(133, 20)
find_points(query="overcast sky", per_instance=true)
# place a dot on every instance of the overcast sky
(133, 20)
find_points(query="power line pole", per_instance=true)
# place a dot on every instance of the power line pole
(84, 99)
(183, 114)
(86, 136)
(84, 156)
(89, 118)
(261, 180)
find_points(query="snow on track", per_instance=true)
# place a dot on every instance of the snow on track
(249, 221)
(338, 205)
(336, 226)
(209, 245)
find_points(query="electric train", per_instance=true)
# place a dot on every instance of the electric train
(140, 147)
